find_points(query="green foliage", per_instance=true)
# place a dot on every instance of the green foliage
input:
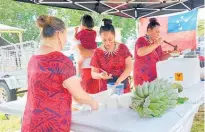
(201, 28)
(23, 15)
(11, 125)
(181, 100)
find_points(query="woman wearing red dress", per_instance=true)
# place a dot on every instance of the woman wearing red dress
(112, 62)
(52, 82)
(148, 52)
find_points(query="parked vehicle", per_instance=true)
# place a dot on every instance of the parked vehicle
(13, 64)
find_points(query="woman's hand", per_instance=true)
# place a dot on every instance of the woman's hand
(76, 29)
(117, 82)
(74, 87)
(94, 105)
(105, 76)
(145, 50)
(159, 41)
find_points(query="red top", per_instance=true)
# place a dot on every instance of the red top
(112, 64)
(89, 84)
(87, 38)
(145, 66)
(201, 58)
(48, 106)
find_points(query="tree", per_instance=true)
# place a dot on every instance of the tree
(20, 15)
(23, 15)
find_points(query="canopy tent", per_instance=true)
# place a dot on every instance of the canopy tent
(125, 8)
(9, 29)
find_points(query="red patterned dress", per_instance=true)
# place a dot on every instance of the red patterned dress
(145, 66)
(113, 64)
(48, 107)
(87, 38)
(89, 84)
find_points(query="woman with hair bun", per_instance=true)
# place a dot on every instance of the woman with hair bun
(112, 61)
(52, 82)
(148, 52)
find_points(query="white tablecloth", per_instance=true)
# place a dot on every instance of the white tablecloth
(125, 120)
(195, 93)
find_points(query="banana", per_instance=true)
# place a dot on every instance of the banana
(154, 99)
(139, 92)
(137, 102)
(157, 87)
(153, 106)
(172, 103)
(137, 97)
(156, 113)
(145, 89)
(151, 87)
(140, 111)
(173, 96)
(147, 111)
(146, 103)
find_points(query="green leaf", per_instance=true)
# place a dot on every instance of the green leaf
(181, 100)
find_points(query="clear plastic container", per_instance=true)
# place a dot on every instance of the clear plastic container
(111, 86)
(119, 89)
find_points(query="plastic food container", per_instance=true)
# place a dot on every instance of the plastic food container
(117, 89)
(111, 86)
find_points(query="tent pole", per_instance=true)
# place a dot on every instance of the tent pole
(137, 26)
(66, 2)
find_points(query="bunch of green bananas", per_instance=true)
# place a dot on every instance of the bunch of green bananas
(154, 99)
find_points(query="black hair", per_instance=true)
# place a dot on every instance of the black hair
(152, 23)
(87, 21)
(50, 25)
(107, 26)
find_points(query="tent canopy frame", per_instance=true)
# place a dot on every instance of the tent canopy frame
(125, 8)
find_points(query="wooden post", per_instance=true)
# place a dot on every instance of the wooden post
(20, 37)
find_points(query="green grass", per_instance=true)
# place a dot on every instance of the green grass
(198, 125)
(201, 28)
(11, 125)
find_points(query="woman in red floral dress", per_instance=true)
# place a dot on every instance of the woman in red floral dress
(52, 82)
(112, 62)
(148, 52)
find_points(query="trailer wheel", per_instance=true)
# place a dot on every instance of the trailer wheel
(6, 94)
